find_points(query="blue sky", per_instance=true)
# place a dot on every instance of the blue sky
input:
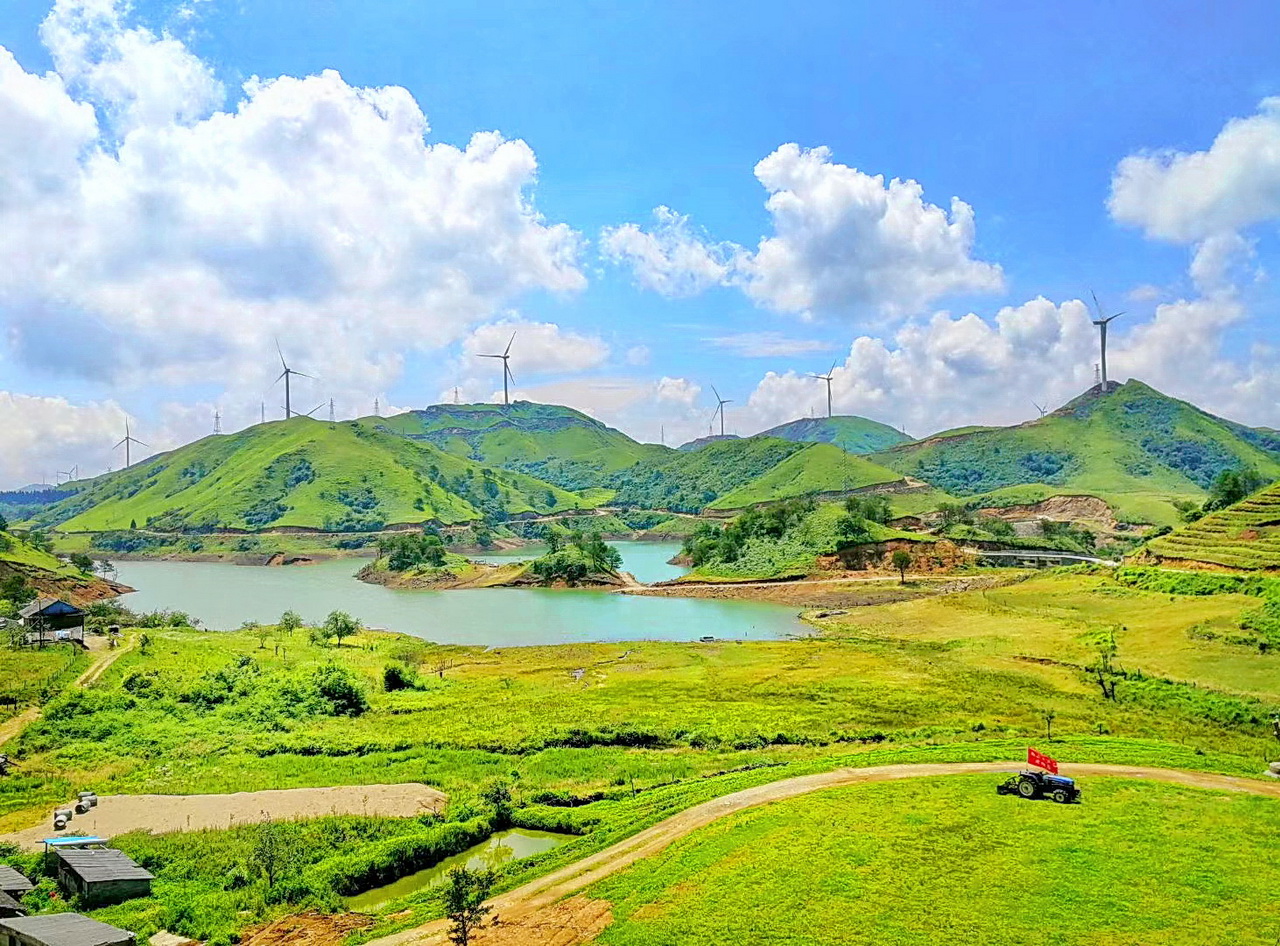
(1022, 113)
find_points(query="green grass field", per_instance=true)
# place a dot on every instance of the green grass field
(949, 861)
(648, 729)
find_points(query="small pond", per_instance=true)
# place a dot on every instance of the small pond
(499, 849)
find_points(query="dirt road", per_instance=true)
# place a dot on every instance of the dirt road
(102, 659)
(118, 814)
(538, 915)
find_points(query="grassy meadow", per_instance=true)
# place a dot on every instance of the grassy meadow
(602, 740)
(947, 860)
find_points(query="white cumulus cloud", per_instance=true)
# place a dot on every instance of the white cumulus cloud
(843, 242)
(1186, 197)
(170, 241)
(536, 348)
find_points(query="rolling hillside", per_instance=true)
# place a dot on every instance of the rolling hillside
(819, 468)
(1246, 535)
(1135, 448)
(554, 443)
(301, 473)
(735, 473)
(853, 434)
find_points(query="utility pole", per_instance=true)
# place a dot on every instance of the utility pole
(331, 415)
(264, 412)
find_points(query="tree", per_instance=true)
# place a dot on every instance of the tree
(83, 563)
(498, 797)
(290, 621)
(144, 641)
(4, 524)
(133, 525)
(901, 560)
(553, 540)
(1231, 486)
(339, 624)
(275, 852)
(1049, 716)
(1103, 667)
(464, 895)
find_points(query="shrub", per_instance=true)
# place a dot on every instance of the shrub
(398, 677)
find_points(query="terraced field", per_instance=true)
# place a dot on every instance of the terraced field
(1246, 535)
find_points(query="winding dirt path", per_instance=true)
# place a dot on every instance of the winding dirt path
(102, 659)
(538, 914)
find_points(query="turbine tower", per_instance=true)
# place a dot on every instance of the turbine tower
(1102, 323)
(287, 374)
(128, 441)
(506, 371)
(720, 403)
(827, 378)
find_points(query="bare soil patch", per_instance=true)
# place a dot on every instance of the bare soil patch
(119, 814)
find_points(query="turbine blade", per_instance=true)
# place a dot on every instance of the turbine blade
(508, 349)
(715, 392)
(280, 352)
(1116, 316)
(119, 445)
(1096, 307)
(141, 444)
(833, 367)
(491, 356)
(301, 375)
(282, 374)
(507, 369)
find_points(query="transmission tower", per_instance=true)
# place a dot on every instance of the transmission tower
(331, 415)
(217, 422)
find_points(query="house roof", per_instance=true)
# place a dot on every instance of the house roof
(66, 929)
(8, 903)
(13, 882)
(49, 607)
(96, 866)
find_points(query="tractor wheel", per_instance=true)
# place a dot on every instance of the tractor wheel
(1060, 797)
(1027, 788)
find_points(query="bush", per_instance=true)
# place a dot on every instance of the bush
(398, 677)
(340, 689)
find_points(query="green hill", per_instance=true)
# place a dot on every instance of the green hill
(1246, 535)
(737, 472)
(301, 473)
(554, 443)
(1135, 448)
(853, 434)
(819, 468)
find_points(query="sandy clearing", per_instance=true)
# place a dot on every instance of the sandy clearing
(534, 908)
(118, 814)
(14, 725)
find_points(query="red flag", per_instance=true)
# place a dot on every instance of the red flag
(1040, 760)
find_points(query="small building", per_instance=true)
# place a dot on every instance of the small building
(13, 886)
(61, 929)
(102, 876)
(50, 621)
(13, 883)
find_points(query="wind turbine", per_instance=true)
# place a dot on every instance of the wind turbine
(1102, 323)
(128, 441)
(1042, 410)
(827, 378)
(506, 372)
(720, 403)
(287, 374)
